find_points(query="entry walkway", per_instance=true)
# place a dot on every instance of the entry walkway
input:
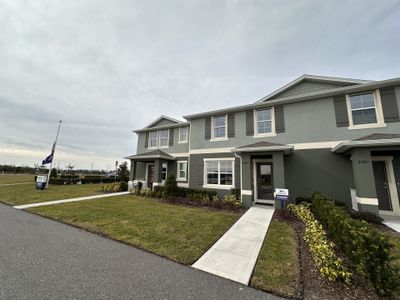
(235, 254)
(24, 206)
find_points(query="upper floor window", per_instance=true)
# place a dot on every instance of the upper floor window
(183, 134)
(264, 122)
(164, 137)
(365, 110)
(153, 139)
(219, 128)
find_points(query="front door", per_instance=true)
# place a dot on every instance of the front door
(264, 183)
(382, 185)
(150, 176)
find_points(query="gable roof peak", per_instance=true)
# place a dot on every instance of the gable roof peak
(315, 78)
(162, 117)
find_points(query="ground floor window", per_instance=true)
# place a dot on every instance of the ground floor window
(164, 170)
(182, 171)
(219, 173)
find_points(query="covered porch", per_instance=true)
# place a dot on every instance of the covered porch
(150, 168)
(261, 172)
(375, 160)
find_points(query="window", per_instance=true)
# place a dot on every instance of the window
(219, 173)
(183, 134)
(219, 127)
(182, 170)
(263, 121)
(363, 109)
(164, 170)
(153, 138)
(164, 137)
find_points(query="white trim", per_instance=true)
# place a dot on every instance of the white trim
(255, 198)
(183, 184)
(268, 134)
(178, 177)
(182, 154)
(219, 186)
(365, 143)
(222, 138)
(365, 200)
(378, 112)
(187, 136)
(211, 150)
(393, 195)
(247, 192)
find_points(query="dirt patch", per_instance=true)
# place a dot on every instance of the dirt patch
(312, 284)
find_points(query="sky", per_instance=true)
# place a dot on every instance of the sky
(109, 67)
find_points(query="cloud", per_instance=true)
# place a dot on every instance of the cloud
(108, 67)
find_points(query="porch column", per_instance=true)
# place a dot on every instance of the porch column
(157, 172)
(278, 173)
(247, 189)
(364, 180)
(132, 174)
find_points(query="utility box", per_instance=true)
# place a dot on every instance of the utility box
(41, 182)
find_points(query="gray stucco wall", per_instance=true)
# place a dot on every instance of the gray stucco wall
(309, 86)
(305, 122)
(308, 171)
(175, 148)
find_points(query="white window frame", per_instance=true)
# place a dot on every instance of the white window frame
(149, 141)
(378, 111)
(159, 138)
(218, 186)
(222, 138)
(187, 135)
(166, 171)
(178, 175)
(273, 132)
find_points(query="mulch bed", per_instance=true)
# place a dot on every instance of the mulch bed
(312, 284)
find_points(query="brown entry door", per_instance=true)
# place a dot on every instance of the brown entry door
(265, 187)
(150, 176)
(382, 185)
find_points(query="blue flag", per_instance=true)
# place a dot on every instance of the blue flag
(49, 158)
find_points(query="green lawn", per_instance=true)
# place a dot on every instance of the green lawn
(278, 267)
(16, 178)
(27, 193)
(180, 233)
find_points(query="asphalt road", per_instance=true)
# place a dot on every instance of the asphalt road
(44, 259)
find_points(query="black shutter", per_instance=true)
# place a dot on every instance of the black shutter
(231, 125)
(279, 119)
(249, 122)
(146, 143)
(342, 118)
(207, 128)
(389, 105)
(171, 136)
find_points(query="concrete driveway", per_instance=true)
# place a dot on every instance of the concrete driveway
(44, 259)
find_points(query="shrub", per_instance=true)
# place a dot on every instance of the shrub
(115, 187)
(68, 176)
(321, 248)
(170, 186)
(301, 200)
(232, 200)
(236, 192)
(366, 216)
(123, 186)
(367, 249)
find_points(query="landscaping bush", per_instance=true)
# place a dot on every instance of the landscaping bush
(301, 200)
(236, 192)
(68, 176)
(232, 200)
(170, 186)
(367, 249)
(321, 248)
(366, 216)
(115, 187)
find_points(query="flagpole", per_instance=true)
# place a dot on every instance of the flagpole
(51, 164)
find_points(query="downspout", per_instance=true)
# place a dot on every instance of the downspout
(241, 175)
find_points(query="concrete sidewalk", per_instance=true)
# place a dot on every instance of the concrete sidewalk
(24, 206)
(235, 254)
(392, 222)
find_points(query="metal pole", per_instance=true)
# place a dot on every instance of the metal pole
(51, 164)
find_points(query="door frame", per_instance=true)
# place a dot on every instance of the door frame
(263, 160)
(147, 173)
(393, 195)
